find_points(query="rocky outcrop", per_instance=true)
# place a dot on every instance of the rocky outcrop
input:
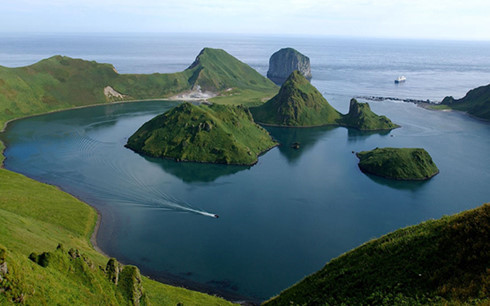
(284, 62)
(362, 118)
(3, 264)
(131, 285)
(112, 270)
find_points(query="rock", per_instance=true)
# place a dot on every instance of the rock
(112, 270)
(3, 264)
(131, 285)
(284, 62)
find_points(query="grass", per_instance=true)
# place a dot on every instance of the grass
(214, 134)
(60, 82)
(443, 261)
(476, 102)
(362, 118)
(37, 217)
(398, 163)
(300, 104)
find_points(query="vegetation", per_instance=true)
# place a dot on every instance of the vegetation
(35, 219)
(398, 163)
(214, 134)
(361, 117)
(476, 102)
(61, 82)
(300, 104)
(443, 261)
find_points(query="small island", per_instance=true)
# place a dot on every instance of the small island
(300, 104)
(361, 117)
(407, 164)
(211, 134)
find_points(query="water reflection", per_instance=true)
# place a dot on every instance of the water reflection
(354, 135)
(190, 172)
(399, 185)
(296, 141)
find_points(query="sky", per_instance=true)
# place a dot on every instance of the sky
(426, 19)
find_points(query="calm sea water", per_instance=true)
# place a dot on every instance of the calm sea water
(289, 214)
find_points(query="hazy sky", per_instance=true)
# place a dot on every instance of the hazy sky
(439, 19)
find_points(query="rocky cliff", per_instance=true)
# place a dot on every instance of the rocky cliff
(284, 62)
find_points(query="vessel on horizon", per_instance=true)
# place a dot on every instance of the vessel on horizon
(400, 79)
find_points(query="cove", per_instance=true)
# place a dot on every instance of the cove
(280, 220)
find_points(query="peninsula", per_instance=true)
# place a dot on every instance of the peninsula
(300, 104)
(398, 163)
(476, 102)
(441, 261)
(222, 134)
(61, 82)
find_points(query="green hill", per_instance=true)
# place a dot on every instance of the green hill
(443, 261)
(476, 102)
(36, 218)
(398, 163)
(61, 82)
(361, 117)
(300, 104)
(214, 134)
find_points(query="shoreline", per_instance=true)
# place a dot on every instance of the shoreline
(166, 279)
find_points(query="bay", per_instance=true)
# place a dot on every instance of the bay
(285, 217)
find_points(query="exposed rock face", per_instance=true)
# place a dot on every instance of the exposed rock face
(112, 270)
(284, 62)
(3, 264)
(131, 285)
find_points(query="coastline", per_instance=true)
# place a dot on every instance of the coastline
(167, 279)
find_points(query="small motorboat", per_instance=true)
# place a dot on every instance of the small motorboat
(400, 79)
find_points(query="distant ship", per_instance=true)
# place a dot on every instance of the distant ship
(400, 79)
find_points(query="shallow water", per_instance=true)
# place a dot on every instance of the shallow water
(286, 216)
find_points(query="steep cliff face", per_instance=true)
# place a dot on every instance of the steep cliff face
(284, 62)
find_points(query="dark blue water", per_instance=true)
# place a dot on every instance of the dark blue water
(289, 214)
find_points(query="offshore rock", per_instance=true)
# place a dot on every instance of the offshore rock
(284, 62)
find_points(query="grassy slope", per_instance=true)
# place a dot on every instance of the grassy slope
(431, 263)
(476, 102)
(298, 103)
(217, 134)
(61, 82)
(361, 117)
(398, 163)
(35, 218)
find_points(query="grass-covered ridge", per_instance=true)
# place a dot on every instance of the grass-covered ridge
(300, 104)
(436, 262)
(36, 217)
(398, 163)
(60, 82)
(215, 134)
(476, 102)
